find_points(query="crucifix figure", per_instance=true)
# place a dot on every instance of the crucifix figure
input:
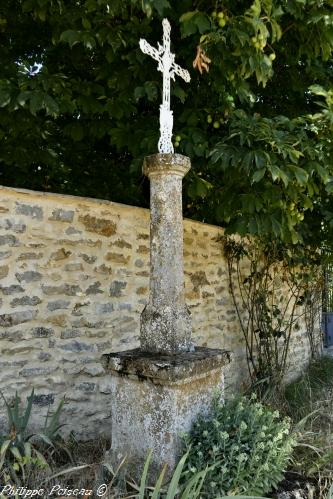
(166, 64)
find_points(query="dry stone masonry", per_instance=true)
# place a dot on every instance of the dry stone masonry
(74, 279)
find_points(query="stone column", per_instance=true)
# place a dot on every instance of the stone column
(159, 389)
(165, 322)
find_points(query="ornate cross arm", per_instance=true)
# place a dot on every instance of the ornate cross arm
(168, 67)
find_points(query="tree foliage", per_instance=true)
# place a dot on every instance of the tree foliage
(79, 106)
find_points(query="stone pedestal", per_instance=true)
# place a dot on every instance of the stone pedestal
(155, 398)
(166, 322)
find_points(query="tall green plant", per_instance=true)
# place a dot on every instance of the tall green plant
(19, 450)
(272, 289)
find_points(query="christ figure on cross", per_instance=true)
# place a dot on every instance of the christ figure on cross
(167, 65)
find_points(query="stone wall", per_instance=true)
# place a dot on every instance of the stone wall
(74, 277)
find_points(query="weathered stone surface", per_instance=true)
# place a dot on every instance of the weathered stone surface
(8, 320)
(44, 356)
(32, 211)
(156, 398)
(88, 258)
(25, 300)
(7, 224)
(63, 289)
(43, 400)
(11, 335)
(94, 289)
(78, 308)
(42, 332)
(60, 215)
(9, 239)
(60, 254)
(101, 226)
(72, 230)
(105, 386)
(69, 333)
(143, 236)
(5, 254)
(87, 387)
(29, 276)
(30, 256)
(37, 371)
(125, 306)
(93, 369)
(117, 287)
(165, 322)
(117, 258)
(121, 243)
(199, 279)
(103, 269)
(3, 271)
(104, 308)
(143, 249)
(165, 368)
(73, 267)
(78, 346)
(11, 290)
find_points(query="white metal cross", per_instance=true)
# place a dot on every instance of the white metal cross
(167, 65)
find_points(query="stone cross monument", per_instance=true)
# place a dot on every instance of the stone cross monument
(161, 387)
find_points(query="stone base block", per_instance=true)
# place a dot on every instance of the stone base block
(155, 398)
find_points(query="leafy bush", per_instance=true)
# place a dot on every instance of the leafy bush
(19, 452)
(245, 445)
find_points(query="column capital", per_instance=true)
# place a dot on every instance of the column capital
(166, 164)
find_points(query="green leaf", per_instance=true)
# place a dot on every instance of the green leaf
(158, 486)
(151, 90)
(23, 97)
(36, 102)
(144, 476)
(173, 487)
(180, 93)
(77, 132)
(258, 175)
(4, 447)
(16, 453)
(161, 6)
(4, 97)
(300, 174)
(51, 106)
(71, 37)
(202, 22)
(318, 90)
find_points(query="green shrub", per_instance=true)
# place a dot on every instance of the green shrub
(245, 445)
(20, 451)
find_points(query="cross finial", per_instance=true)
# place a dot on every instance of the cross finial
(166, 64)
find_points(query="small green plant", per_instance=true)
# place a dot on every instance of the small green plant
(244, 445)
(173, 489)
(19, 451)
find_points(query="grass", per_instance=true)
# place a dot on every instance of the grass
(309, 402)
